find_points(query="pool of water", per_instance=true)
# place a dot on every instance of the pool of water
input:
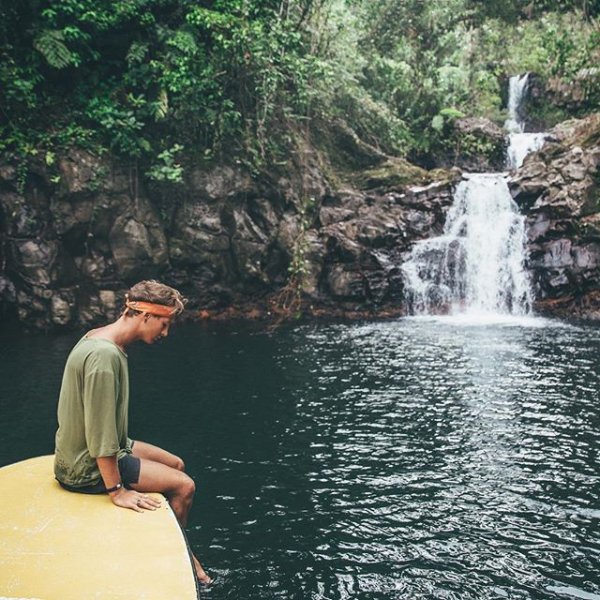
(420, 458)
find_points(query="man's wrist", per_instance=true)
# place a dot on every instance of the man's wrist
(115, 488)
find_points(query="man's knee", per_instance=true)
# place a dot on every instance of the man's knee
(187, 487)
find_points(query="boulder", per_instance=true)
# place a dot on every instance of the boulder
(60, 309)
(474, 144)
(34, 260)
(480, 145)
(138, 246)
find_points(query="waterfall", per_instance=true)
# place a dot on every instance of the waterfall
(517, 88)
(477, 265)
(520, 144)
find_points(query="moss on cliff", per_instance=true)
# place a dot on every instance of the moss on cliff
(398, 173)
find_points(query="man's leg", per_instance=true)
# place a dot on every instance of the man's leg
(150, 452)
(178, 487)
(165, 474)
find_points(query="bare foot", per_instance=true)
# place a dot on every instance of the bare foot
(201, 574)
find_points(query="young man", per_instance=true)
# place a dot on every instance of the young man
(94, 454)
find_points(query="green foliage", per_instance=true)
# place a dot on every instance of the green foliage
(228, 78)
(51, 44)
(167, 169)
(473, 145)
(289, 300)
(120, 125)
(445, 117)
(298, 267)
(556, 45)
(427, 55)
(22, 172)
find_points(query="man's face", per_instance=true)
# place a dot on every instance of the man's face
(155, 328)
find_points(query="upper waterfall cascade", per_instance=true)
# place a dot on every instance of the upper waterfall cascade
(520, 144)
(477, 265)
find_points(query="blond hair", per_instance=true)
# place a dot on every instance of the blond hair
(153, 291)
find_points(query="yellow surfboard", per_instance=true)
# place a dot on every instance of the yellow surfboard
(58, 545)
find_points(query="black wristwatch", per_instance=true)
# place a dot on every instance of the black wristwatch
(114, 488)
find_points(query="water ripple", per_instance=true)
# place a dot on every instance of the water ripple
(423, 458)
(442, 461)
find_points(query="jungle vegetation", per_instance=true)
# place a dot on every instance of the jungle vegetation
(152, 80)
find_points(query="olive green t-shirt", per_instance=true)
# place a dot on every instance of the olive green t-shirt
(92, 411)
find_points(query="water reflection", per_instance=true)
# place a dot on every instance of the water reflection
(427, 487)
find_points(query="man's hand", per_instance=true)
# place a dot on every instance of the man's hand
(123, 497)
(134, 500)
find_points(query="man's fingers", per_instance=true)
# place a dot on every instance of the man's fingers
(136, 501)
(148, 502)
(138, 505)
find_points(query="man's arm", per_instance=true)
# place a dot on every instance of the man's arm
(123, 497)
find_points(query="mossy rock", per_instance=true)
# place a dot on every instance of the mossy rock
(395, 172)
(590, 135)
(579, 132)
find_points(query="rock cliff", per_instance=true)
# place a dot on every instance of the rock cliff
(72, 243)
(559, 190)
(74, 237)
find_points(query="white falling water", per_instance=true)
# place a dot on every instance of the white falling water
(520, 144)
(476, 266)
(517, 88)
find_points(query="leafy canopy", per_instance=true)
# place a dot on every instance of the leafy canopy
(152, 80)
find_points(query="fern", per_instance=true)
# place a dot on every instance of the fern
(137, 52)
(161, 106)
(50, 44)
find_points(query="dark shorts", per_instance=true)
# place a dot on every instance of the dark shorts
(129, 468)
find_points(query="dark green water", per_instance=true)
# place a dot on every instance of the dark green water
(408, 459)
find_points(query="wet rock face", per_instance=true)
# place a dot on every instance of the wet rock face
(91, 233)
(559, 189)
(366, 238)
(71, 249)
